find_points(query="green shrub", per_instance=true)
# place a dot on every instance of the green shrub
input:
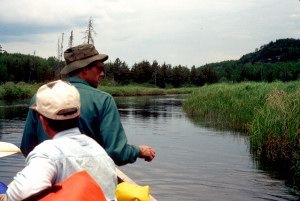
(21, 90)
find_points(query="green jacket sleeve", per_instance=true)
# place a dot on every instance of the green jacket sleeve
(114, 137)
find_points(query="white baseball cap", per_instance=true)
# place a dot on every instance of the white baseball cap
(57, 100)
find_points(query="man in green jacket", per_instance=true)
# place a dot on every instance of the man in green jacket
(99, 117)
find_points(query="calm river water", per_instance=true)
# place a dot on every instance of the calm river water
(193, 162)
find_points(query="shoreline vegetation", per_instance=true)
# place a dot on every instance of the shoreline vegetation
(22, 90)
(268, 112)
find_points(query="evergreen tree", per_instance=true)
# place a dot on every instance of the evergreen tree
(193, 75)
(178, 76)
(3, 73)
(121, 72)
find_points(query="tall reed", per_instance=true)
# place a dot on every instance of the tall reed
(228, 105)
(275, 130)
(269, 112)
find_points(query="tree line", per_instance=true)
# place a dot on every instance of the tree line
(279, 60)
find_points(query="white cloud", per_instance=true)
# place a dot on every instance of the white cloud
(45, 12)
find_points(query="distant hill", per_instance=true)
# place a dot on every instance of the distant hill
(282, 50)
(279, 60)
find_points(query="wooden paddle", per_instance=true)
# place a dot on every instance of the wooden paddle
(7, 149)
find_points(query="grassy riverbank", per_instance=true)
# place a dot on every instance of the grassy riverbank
(140, 90)
(10, 90)
(21, 90)
(269, 112)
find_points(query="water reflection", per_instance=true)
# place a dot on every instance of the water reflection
(149, 107)
(16, 109)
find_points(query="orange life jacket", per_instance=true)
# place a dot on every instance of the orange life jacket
(79, 186)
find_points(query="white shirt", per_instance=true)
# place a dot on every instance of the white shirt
(55, 160)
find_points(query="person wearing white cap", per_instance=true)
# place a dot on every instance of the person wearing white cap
(99, 118)
(58, 107)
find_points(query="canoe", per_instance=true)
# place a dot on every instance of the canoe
(123, 177)
(44, 193)
(7, 149)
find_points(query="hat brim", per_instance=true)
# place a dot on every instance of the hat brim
(82, 63)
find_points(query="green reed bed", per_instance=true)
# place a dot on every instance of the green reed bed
(275, 130)
(138, 90)
(130, 90)
(21, 90)
(269, 112)
(229, 105)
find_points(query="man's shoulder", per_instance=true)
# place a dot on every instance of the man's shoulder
(84, 87)
(42, 150)
(92, 94)
(92, 144)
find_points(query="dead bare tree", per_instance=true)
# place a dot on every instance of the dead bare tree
(89, 33)
(71, 40)
(61, 46)
(59, 56)
(58, 49)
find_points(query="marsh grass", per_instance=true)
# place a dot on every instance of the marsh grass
(229, 105)
(275, 130)
(21, 90)
(140, 90)
(130, 90)
(268, 112)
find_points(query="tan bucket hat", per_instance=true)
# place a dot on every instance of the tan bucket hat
(81, 56)
(57, 100)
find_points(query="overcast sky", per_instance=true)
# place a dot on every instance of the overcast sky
(177, 32)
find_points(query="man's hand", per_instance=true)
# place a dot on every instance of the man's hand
(2, 197)
(147, 152)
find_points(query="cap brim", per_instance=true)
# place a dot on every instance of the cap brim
(33, 107)
(82, 63)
